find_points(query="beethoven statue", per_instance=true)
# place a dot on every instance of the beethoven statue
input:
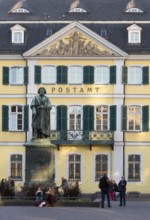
(41, 107)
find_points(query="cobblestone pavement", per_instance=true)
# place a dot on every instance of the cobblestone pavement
(135, 210)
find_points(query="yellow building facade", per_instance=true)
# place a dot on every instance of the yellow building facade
(100, 114)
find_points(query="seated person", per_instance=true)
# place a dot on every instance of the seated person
(38, 196)
(50, 197)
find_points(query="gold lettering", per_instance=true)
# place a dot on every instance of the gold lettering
(75, 88)
(81, 90)
(97, 89)
(67, 90)
(89, 90)
(53, 89)
(60, 89)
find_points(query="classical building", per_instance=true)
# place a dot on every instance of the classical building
(93, 58)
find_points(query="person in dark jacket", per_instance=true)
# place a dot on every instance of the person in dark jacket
(122, 191)
(104, 186)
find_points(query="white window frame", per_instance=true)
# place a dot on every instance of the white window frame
(19, 79)
(103, 80)
(81, 166)
(20, 10)
(134, 34)
(23, 166)
(75, 134)
(53, 118)
(141, 167)
(78, 10)
(17, 29)
(50, 76)
(135, 74)
(74, 79)
(134, 10)
(102, 113)
(14, 115)
(134, 113)
(94, 162)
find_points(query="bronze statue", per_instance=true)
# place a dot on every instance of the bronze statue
(41, 107)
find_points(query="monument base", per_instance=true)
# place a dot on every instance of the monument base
(39, 161)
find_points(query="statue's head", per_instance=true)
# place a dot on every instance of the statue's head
(42, 88)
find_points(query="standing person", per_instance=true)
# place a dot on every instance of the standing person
(41, 107)
(64, 185)
(122, 191)
(2, 187)
(104, 186)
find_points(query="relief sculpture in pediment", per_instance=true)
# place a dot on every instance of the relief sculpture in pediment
(74, 45)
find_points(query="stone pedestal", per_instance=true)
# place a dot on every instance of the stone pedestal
(39, 161)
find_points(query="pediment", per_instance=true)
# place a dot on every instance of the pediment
(75, 40)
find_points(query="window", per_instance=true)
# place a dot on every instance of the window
(17, 34)
(77, 10)
(134, 118)
(49, 32)
(16, 118)
(74, 122)
(101, 166)
(134, 75)
(134, 34)
(75, 75)
(74, 167)
(20, 10)
(102, 75)
(134, 168)
(17, 75)
(134, 10)
(49, 74)
(103, 32)
(16, 167)
(53, 118)
(101, 118)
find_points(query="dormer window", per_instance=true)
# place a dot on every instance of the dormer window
(134, 34)
(17, 36)
(134, 10)
(104, 32)
(78, 10)
(20, 10)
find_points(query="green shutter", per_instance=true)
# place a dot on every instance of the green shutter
(62, 117)
(5, 75)
(113, 118)
(112, 74)
(62, 74)
(88, 118)
(145, 118)
(26, 118)
(5, 119)
(26, 75)
(124, 118)
(88, 74)
(124, 74)
(145, 75)
(37, 74)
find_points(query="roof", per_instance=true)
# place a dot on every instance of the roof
(54, 14)
(59, 10)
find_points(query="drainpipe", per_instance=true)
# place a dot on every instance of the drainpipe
(124, 92)
(26, 98)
